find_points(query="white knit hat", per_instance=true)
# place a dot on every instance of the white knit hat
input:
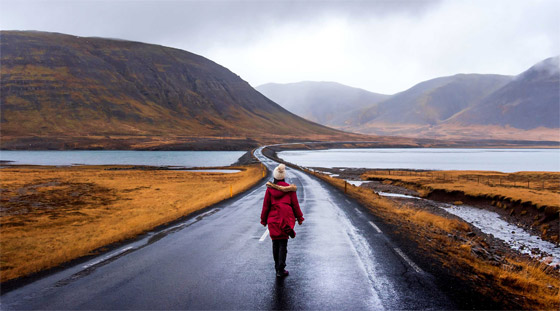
(279, 172)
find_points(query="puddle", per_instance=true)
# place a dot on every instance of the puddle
(397, 195)
(357, 183)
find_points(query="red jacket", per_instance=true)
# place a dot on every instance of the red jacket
(280, 209)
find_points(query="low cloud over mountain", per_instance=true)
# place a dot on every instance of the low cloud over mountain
(323, 102)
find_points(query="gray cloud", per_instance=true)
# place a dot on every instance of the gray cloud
(200, 22)
(383, 46)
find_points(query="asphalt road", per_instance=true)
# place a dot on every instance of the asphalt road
(222, 259)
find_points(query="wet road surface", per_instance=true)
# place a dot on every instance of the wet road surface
(222, 259)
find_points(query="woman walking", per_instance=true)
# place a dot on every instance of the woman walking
(280, 211)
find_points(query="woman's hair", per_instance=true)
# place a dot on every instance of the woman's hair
(277, 180)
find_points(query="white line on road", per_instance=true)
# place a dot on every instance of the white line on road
(347, 201)
(410, 262)
(358, 211)
(263, 236)
(375, 227)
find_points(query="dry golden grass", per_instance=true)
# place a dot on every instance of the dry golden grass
(53, 215)
(533, 283)
(382, 206)
(517, 283)
(539, 188)
(449, 132)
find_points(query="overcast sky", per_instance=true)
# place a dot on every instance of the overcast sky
(381, 46)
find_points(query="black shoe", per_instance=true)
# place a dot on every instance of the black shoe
(283, 273)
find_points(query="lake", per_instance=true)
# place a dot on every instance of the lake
(503, 160)
(120, 157)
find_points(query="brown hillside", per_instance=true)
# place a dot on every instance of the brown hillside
(60, 91)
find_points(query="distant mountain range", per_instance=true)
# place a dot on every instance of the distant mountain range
(464, 106)
(60, 91)
(321, 102)
(530, 100)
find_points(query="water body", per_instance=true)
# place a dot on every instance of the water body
(502, 160)
(120, 157)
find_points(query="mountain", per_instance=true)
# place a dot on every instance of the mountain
(529, 101)
(436, 100)
(473, 107)
(327, 103)
(459, 107)
(61, 91)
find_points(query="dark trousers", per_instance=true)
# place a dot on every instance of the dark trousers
(279, 251)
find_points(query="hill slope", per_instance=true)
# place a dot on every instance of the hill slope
(436, 100)
(61, 91)
(327, 103)
(529, 101)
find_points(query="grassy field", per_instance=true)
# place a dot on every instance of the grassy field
(52, 215)
(514, 282)
(539, 188)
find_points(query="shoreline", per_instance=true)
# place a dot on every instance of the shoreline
(228, 144)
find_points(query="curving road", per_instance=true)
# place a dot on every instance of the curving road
(222, 259)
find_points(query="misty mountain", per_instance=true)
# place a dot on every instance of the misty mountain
(529, 101)
(434, 101)
(90, 92)
(463, 106)
(328, 103)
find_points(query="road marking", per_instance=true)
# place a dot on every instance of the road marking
(358, 211)
(263, 236)
(348, 201)
(410, 262)
(375, 227)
